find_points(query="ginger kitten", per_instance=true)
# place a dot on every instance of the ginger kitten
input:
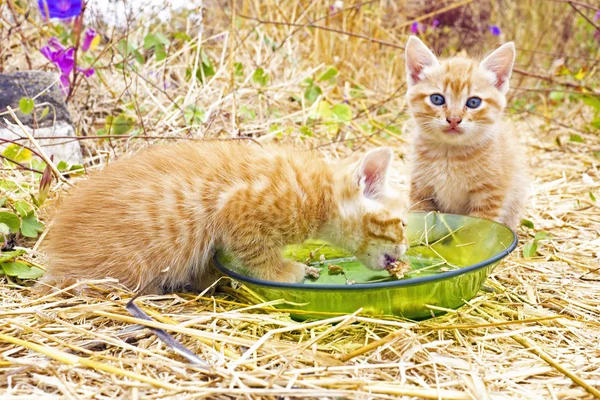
(465, 161)
(157, 217)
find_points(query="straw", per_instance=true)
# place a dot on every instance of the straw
(534, 334)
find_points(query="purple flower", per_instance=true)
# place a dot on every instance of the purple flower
(90, 34)
(86, 72)
(414, 28)
(64, 59)
(417, 28)
(494, 29)
(61, 9)
(65, 83)
(435, 23)
(597, 16)
(54, 51)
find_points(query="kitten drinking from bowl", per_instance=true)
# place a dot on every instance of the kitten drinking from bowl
(154, 220)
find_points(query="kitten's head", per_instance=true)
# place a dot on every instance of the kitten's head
(455, 101)
(370, 216)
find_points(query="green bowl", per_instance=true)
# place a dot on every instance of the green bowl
(450, 255)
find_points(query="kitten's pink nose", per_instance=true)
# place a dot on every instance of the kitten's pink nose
(454, 121)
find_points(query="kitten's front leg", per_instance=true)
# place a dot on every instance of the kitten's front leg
(267, 263)
(486, 204)
(422, 198)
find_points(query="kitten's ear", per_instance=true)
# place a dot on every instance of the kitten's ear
(372, 171)
(418, 57)
(500, 63)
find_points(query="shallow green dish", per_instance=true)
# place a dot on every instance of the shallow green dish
(451, 256)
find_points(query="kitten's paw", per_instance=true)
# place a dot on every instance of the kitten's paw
(293, 272)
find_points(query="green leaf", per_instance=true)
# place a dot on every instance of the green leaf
(62, 166)
(31, 226)
(527, 223)
(246, 113)
(10, 255)
(306, 131)
(11, 220)
(184, 37)
(127, 50)
(307, 82)
(312, 93)
(575, 138)
(322, 110)
(596, 122)
(205, 70)
(149, 41)
(592, 101)
(22, 207)
(162, 39)
(597, 154)
(557, 96)
(3, 200)
(542, 236)
(529, 249)
(26, 105)
(4, 229)
(592, 196)
(21, 270)
(32, 273)
(17, 153)
(579, 75)
(160, 53)
(238, 69)
(45, 112)
(193, 115)
(260, 76)
(158, 42)
(119, 125)
(342, 112)
(330, 73)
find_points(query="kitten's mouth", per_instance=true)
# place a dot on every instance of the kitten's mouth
(388, 260)
(453, 131)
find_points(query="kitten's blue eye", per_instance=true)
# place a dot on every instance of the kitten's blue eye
(437, 99)
(473, 102)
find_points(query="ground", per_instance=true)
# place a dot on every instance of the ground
(532, 335)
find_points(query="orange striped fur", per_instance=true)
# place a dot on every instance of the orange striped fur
(158, 216)
(478, 168)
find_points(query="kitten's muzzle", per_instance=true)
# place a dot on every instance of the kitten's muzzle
(453, 122)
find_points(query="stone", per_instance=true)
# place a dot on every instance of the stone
(58, 122)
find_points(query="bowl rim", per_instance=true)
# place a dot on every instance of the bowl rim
(377, 285)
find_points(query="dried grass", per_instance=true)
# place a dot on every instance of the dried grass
(535, 335)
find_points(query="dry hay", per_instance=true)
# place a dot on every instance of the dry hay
(533, 335)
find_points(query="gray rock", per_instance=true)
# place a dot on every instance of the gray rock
(58, 122)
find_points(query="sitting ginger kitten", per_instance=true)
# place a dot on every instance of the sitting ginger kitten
(154, 220)
(464, 160)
